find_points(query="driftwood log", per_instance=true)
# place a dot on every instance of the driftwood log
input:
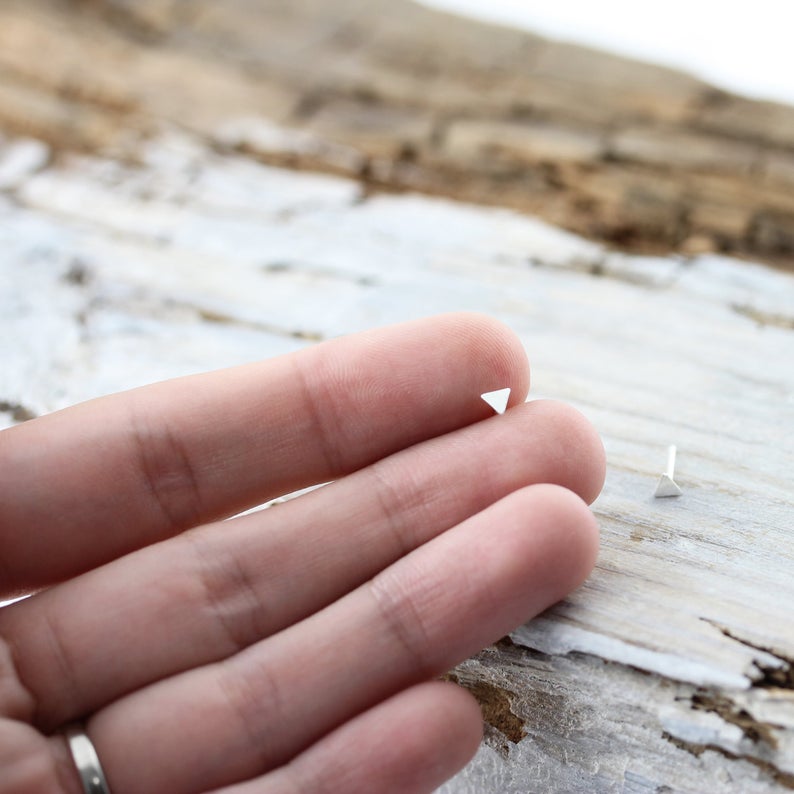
(672, 668)
(400, 98)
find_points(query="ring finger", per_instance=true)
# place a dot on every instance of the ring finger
(255, 711)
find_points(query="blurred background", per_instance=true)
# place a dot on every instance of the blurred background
(401, 96)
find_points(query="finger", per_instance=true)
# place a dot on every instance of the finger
(222, 588)
(96, 481)
(28, 764)
(255, 711)
(410, 744)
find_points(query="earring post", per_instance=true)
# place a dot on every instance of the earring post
(670, 461)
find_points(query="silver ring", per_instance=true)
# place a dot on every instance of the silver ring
(86, 760)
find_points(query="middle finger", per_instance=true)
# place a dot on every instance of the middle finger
(207, 594)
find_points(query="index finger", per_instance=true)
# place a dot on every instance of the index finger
(96, 481)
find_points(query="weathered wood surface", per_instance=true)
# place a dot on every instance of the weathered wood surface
(174, 251)
(402, 97)
(671, 669)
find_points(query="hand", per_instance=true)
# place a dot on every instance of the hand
(291, 650)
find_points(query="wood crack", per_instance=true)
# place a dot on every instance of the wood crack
(722, 705)
(220, 318)
(19, 412)
(780, 777)
(496, 706)
(763, 736)
(764, 318)
(770, 676)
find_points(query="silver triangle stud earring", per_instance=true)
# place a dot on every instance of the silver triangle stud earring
(667, 485)
(497, 399)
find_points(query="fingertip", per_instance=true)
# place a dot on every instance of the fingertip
(460, 713)
(548, 547)
(586, 439)
(572, 536)
(486, 339)
(580, 461)
(450, 734)
(409, 744)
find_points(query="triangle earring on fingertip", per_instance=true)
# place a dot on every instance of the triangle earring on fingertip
(497, 399)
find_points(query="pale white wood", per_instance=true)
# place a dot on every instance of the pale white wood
(658, 671)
